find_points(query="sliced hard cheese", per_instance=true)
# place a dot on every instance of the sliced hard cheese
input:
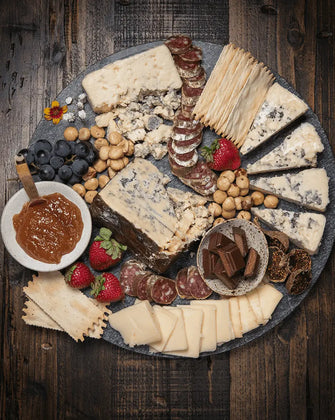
(304, 229)
(193, 321)
(136, 324)
(208, 329)
(248, 317)
(299, 149)
(234, 311)
(253, 299)
(167, 322)
(177, 339)
(269, 298)
(308, 188)
(279, 109)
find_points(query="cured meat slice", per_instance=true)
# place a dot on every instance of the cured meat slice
(177, 169)
(183, 134)
(187, 69)
(164, 291)
(186, 163)
(205, 190)
(142, 288)
(202, 179)
(183, 287)
(197, 81)
(183, 149)
(186, 143)
(193, 54)
(178, 44)
(198, 288)
(131, 272)
(184, 120)
(190, 95)
(183, 156)
(187, 109)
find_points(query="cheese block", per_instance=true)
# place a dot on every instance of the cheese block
(177, 339)
(167, 322)
(269, 297)
(304, 229)
(279, 109)
(253, 299)
(136, 324)
(308, 188)
(208, 329)
(299, 149)
(193, 322)
(234, 311)
(247, 316)
(122, 82)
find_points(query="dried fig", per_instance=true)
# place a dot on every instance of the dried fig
(277, 270)
(298, 282)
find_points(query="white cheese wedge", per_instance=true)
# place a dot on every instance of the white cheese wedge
(234, 312)
(167, 321)
(253, 299)
(308, 188)
(304, 229)
(208, 328)
(248, 317)
(121, 82)
(193, 322)
(299, 149)
(279, 109)
(177, 339)
(136, 324)
(269, 298)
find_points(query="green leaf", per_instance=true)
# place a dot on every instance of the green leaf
(105, 233)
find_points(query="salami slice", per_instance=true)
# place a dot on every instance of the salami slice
(187, 163)
(142, 287)
(131, 272)
(192, 98)
(184, 120)
(178, 170)
(183, 288)
(183, 149)
(185, 143)
(183, 156)
(187, 69)
(187, 109)
(192, 55)
(178, 44)
(197, 81)
(198, 288)
(183, 134)
(164, 291)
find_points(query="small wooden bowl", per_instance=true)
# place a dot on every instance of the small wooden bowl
(255, 239)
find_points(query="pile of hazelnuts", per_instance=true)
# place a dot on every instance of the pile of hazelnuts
(232, 198)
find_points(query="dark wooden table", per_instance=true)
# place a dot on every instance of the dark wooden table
(289, 372)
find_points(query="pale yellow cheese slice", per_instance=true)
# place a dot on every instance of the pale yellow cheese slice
(269, 298)
(193, 321)
(167, 321)
(234, 312)
(136, 324)
(254, 302)
(247, 316)
(177, 339)
(208, 328)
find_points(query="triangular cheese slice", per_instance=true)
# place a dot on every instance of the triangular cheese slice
(208, 328)
(177, 339)
(254, 302)
(234, 311)
(167, 321)
(304, 229)
(269, 298)
(248, 318)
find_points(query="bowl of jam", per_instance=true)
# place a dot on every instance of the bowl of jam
(49, 235)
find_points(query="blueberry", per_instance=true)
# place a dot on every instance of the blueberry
(72, 144)
(75, 179)
(62, 148)
(56, 162)
(30, 158)
(92, 155)
(42, 157)
(43, 145)
(46, 173)
(65, 173)
(81, 149)
(79, 167)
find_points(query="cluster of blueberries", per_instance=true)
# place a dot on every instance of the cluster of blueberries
(63, 161)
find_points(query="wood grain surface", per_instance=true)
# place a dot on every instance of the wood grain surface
(289, 372)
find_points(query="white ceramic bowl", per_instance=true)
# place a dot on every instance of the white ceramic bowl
(15, 205)
(255, 238)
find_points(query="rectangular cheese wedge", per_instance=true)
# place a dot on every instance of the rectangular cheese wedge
(193, 322)
(234, 311)
(304, 229)
(269, 297)
(307, 188)
(167, 321)
(299, 149)
(136, 324)
(253, 299)
(280, 108)
(121, 82)
(177, 339)
(248, 317)
(208, 329)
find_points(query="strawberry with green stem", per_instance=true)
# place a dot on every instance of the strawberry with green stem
(222, 154)
(106, 288)
(79, 276)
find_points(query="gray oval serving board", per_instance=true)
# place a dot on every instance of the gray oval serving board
(211, 52)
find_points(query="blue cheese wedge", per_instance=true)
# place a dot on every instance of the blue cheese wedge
(279, 109)
(308, 188)
(299, 149)
(304, 229)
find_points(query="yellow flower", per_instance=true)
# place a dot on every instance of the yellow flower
(55, 112)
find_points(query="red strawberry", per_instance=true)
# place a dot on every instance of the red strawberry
(104, 251)
(221, 155)
(79, 276)
(107, 288)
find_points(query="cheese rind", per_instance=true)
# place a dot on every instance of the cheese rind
(304, 229)
(299, 149)
(308, 188)
(279, 109)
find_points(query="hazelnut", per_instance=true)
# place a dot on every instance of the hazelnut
(271, 201)
(99, 143)
(103, 180)
(215, 209)
(117, 165)
(91, 184)
(111, 173)
(233, 191)
(80, 189)
(89, 196)
(84, 133)
(244, 191)
(104, 152)
(91, 173)
(223, 183)
(125, 160)
(100, 165)
(97, 132)
(131, 148)
(258, 198)
(228, 204)
(115, 152)
(124, 145)
(246, 215)
(114, 138)
(240, 171)
(247, 203)
(219, 196)
(218, 221)
(228, 214)
(229, 175)
(70, 134)
(238, 203)
(242, 181)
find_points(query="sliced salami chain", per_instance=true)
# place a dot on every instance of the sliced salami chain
(131, 272)
(190, 284)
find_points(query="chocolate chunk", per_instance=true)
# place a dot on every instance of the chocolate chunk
(252, 263)
(298, 282)
(231, 258)
(217, 240)
(208, 262)
(240, 240)
(277, 269)
(221, 274)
